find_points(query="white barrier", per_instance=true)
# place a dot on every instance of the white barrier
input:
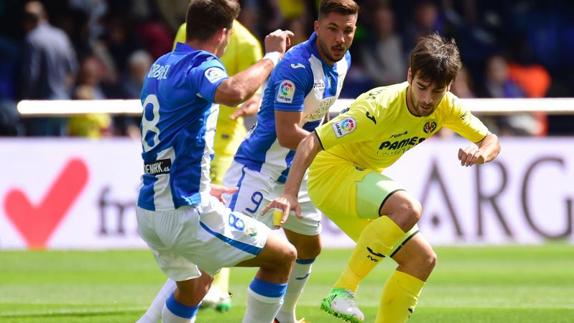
(74, 193)
(29, 108)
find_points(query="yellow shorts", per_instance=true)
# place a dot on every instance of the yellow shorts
(350, 196)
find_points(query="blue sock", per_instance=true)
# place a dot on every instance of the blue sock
(263, 301)
(179, 309)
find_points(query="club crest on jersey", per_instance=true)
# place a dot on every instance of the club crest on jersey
(429, 126)
(344, 127)
(286, 92)
(214, 74)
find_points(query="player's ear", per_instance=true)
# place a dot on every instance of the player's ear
(316, 25)
(409, 76)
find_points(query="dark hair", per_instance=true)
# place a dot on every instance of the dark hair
(206, 17)
(435, 59)
(344, 7)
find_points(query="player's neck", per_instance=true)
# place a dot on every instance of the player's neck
(203, 45)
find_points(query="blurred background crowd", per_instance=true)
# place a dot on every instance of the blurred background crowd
(102, 49)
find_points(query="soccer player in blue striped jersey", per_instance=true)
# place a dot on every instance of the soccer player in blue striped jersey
(180, 214)
(296, 99)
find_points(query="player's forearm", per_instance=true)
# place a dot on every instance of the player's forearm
(306, 151)
(489, 147)
(243, 85)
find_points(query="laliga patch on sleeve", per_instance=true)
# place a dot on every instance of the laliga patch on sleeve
(344, 127)
(214, 74)
(286, 92)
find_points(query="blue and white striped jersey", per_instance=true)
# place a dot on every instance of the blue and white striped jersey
(301, 82)
(178, 127)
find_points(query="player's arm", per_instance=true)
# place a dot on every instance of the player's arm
(463, 122)
(289, 132)
(308, 148)
(243, 85)
(484, 151)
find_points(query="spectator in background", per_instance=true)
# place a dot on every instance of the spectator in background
(382, 54)
(48, 68)
(532, 77)
(138, 65)
(426, 21)
(462, 84)
(498, 84)
(91, 125)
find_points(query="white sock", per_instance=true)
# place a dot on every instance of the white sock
(263, 301)
(175, 312)
(153, 313)
(297, 281)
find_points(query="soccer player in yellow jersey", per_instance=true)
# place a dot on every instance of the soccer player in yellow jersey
(345, 180)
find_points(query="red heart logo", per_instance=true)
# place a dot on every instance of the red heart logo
(36, 223)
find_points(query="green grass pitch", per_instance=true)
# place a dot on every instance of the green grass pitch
(515, 284)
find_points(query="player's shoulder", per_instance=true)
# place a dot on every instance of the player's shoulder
(198, 58)
(295, 66)
(451, 104)
(384, 97)
(297, 57)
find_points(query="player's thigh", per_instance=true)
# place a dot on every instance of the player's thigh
(277, 253)
(350, 196)
(310, 222)
(252, 188)
(223, 238)
(160, 231)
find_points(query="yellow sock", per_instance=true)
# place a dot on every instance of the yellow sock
(221, 280)
(399, 298)
(376, 241)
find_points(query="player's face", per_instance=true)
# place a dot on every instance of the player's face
(335, 33)
(423, 96)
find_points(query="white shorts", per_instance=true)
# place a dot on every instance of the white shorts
(256, 189)
(207, 237)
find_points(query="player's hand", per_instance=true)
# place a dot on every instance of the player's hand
(249, 108)
(281, 207)
(470, 155)
(278, 41)
(219, 191)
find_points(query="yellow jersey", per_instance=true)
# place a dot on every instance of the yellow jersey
(378, 128)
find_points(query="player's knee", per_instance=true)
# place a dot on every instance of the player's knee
(286, 257)
(308, 250)
(430, 260)
(408, 213)
(426, 260)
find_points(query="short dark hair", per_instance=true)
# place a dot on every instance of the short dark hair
(206, 17)
(344, 7)
(436, 59)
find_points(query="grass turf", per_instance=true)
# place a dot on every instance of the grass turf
(470, 284)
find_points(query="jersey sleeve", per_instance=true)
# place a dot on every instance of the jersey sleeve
(357, 124)
(291, 85)
(462, 121)
(206, 77)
